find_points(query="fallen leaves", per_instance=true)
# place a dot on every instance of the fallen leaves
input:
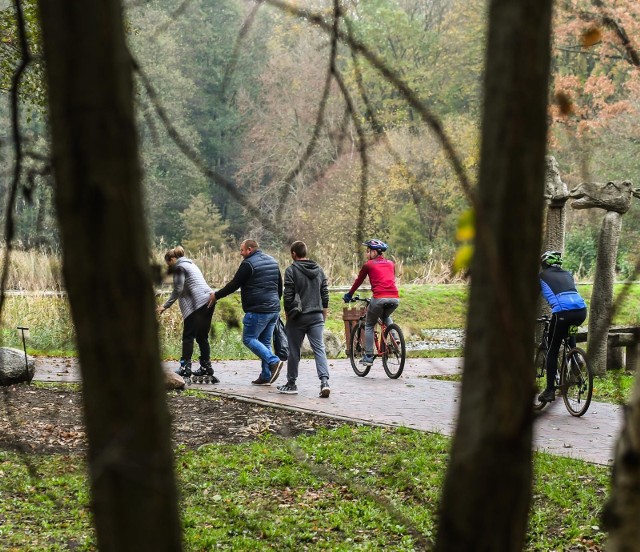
(48, 420)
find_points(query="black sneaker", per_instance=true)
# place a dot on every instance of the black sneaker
(184, 370)
(261, 381)
(201, 372)
(288, 389)
(325, 390)
(275, 370)
(547, 396)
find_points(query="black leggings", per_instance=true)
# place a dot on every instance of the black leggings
(197, 326)
(558, 330)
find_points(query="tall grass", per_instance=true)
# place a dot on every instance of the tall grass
(33, 270)
(40, 269)
(48, 319)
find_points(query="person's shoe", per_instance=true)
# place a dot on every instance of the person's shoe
(261, 381)
(275, 370)
(547, 396)
(325, 390)
(288, 389)
(184, 370)
(367, 360)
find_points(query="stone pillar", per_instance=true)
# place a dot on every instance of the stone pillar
(556, 194)
(615, 199)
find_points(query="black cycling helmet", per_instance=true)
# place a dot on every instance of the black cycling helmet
(377, 245)
(551, 258)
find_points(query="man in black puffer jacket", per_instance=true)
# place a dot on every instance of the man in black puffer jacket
(306, 300)
(260, 282)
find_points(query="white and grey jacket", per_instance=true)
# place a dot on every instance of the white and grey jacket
(189, 287)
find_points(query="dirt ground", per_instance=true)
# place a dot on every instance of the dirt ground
(49, 420)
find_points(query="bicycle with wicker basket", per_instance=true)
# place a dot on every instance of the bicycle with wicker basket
(388, 343)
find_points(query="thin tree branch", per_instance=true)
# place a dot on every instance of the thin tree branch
(364, 159)
(17, 141)
(311, 146)
(403, 88)
(228, 185)
(609, 21)
(244, 30)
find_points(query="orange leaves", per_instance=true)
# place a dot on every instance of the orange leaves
(590, 37)
(564, 103)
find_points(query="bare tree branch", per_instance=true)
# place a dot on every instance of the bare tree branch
(394, 78)
(244, 30)
(193, 156)
(311, 146)
(17, 141)
(609, 21)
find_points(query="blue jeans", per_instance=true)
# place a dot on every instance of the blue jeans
(257, 332)
(378, 308)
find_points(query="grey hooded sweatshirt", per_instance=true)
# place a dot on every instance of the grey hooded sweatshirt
(306, 278)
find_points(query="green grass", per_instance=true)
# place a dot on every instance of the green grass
(422, 307)
(615, 387)
(323, 491)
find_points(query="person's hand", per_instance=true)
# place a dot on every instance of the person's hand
(212, 299)
(346, 298)
(160, 310)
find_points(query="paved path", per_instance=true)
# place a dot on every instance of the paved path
(414, 400)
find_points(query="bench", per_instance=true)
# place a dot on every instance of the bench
(617, 339)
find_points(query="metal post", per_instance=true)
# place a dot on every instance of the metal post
(24, 346)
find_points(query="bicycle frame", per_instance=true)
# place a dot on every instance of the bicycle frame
(545, 342)
(574, 377)
(379, 344)
(388, 344)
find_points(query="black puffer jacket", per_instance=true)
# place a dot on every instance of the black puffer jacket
(307, 279)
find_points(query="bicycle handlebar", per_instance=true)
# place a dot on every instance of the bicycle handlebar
(355, 298)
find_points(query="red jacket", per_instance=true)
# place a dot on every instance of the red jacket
(382, 276)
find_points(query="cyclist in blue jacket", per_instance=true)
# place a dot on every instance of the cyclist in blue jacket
(567, 309)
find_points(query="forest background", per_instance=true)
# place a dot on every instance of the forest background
(241, 88)
(97, 189)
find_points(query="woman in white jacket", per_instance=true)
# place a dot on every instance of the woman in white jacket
(192, 293)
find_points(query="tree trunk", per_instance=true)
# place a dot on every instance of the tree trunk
(601, 305)
(487, 490)
(108, 276)
(621, 514)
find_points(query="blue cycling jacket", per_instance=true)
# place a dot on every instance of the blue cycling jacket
(559, 290)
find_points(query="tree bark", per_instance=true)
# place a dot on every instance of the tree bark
(487, 490)
(621, 514)
(601, 306)
(108, 276)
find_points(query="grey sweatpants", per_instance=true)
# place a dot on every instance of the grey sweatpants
(311, 325)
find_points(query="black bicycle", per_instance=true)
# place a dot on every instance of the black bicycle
(391, 347)
(574, 377)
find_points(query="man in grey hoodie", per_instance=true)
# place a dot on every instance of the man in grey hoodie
(306, 300)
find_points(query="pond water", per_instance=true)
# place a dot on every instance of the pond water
(438, 338)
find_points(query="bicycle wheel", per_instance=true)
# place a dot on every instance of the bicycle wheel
(395, 351)
(576, 382)
(540, 380)
(357, 351)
